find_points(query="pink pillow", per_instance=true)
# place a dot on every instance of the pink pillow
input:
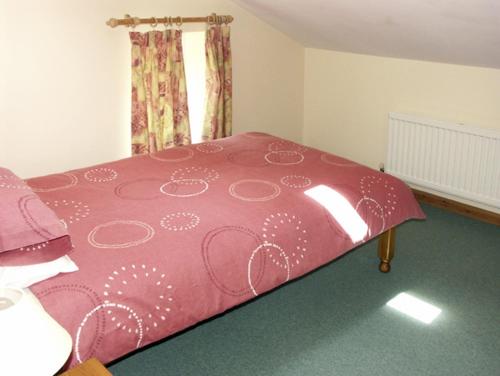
(30, 232)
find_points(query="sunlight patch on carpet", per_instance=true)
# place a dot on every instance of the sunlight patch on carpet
(414, 307)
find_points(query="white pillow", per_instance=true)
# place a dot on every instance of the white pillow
(27, 275)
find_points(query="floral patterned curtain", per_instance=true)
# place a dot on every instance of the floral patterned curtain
(219, 97)
(159, 99)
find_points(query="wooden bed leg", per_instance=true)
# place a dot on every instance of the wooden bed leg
(386, 249)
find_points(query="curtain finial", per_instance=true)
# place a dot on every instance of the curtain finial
(113, 22)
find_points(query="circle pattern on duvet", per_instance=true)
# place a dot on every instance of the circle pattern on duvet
(140, 189)
(284, 145)
(53, 182)
(176, 154)
(120, 234)
(184, 187)
(29, 206)
(373, 214)
(209, 147)
(100, 175)
(337, 161)
(295, 181)
(287, 231)
(248, 158)
(69, 211)
(380, 188)
(254, 190)
(284, 157)
(9, 181)
(130, 313)
(269, 248)
(195, 173)
(226, 251)
(180, 221)
(125, 282)
(87, 300)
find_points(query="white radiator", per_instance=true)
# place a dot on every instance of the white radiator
(457, 160)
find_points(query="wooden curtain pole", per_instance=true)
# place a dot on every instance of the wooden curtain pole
(168, 21)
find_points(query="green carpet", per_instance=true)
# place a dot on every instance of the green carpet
(335, 321)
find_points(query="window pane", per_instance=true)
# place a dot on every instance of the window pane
(193, 43)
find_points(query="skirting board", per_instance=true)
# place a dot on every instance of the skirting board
(457, 207)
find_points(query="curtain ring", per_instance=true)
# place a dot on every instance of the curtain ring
(211, 19)
(137, 21)
(165, 24)
(178, 21)
(153, 25)
(127, 17)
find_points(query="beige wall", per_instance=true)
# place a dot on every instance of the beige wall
(64, 82)
(64, 87)
(348, 97)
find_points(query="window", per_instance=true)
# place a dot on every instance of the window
(193, 44)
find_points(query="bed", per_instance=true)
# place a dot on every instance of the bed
(166, 240)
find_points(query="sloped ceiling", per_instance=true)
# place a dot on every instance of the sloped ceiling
(463, 32)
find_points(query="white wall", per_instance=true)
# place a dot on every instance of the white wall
(65, 86)
(348, 97)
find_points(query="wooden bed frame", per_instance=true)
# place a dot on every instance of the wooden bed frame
(386, 249)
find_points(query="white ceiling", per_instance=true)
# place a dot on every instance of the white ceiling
(451, 31)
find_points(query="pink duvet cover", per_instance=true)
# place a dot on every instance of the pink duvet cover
(167, 240)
